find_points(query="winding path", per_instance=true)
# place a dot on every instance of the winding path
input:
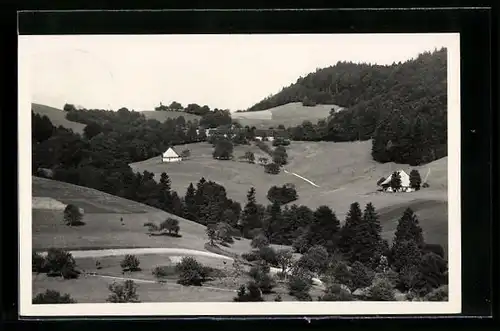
(299, 176)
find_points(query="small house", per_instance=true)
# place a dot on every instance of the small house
(405, 182)
(170, 155)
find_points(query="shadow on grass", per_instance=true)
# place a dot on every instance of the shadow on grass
(173, 235)
(77, 223)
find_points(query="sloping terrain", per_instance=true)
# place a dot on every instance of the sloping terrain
(57, 117)
(103, 227)
(290, 114)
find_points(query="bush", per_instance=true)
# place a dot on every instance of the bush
(259, 241)
(342, 274)
(361, 276)
(149, 224)
(381, 290)
(164, 271)
(335, 292)
(171, 225)
(249, 293)
(283, 195)
(269, 255)
(38, 263)
(281, 142)
(250, 257)
(191, 272)
(425, 185)
(125, 292)
(58, 260)
(73, 215)
(130, 263)
(272, 168)
(438, 294)
(264, 281)
(52, 297)
(299, 284)
(278, 298)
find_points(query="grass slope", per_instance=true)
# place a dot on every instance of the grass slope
(290, 114)
(103, 228)
(57, 117)
(162, 116)
(344, 172)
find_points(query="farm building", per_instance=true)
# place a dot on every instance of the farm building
(171, 156)
(405, 182)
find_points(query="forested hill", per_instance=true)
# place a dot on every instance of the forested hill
(347, 84)
(402, 107)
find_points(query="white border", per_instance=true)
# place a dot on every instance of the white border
(227, 308)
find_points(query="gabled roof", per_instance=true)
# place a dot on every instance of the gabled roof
(405, 179)
(170, 153)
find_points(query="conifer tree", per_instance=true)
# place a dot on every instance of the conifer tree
(348, 231)
(405, 254)
(432, 273)
(250, 216)
(324, 229)
(395, 181)
(272, 221)
(415, 180)
(190, 208)
(409, 229)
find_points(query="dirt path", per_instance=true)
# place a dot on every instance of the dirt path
(148, 281)
(299, 176)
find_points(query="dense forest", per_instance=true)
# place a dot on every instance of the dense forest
(402, 107)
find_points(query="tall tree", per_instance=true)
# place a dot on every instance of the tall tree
(348, 231)
(250, 218)
(395, 181)
(415, 179)
(324, 229)
(190, 207)
(165, 194)
(272, 223)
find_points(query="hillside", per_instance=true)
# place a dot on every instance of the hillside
(103, 228)
(290, 114)
(57, 117)
(342, 172)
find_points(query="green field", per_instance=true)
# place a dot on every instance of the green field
(57, 117)
(344, 172)
(290, 114)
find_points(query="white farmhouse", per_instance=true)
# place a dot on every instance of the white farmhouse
(405, 182)
(170, 156)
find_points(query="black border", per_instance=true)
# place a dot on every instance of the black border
(475, 28)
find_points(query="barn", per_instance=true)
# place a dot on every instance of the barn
(170, 155)
(405, 182)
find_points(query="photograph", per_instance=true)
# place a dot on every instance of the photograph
(239, 174)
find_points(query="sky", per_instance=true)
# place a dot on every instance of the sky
(222, 71)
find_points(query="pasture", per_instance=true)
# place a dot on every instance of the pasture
(290, 114)
(103, 228)
(57, 117)
(343, 172)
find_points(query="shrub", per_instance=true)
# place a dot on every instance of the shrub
(432, 273)
(278, 298)
(52, 297)
(281, 142)
(425, 185)
(342, 274)
(269, 255)
(57, 260)
(249, 293)
(272, 168)
(299, 284)
(264, 281)
(123, 292)
(381, 290)
(73, 215)
(361, 276)
(38, 263)
(250, 257)
(438, 294)
(191, 272)
(171, 225)
(283, 195)
(434, 248)
(335, 292)
(130, 263)
(315, 260)
(259, 241)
